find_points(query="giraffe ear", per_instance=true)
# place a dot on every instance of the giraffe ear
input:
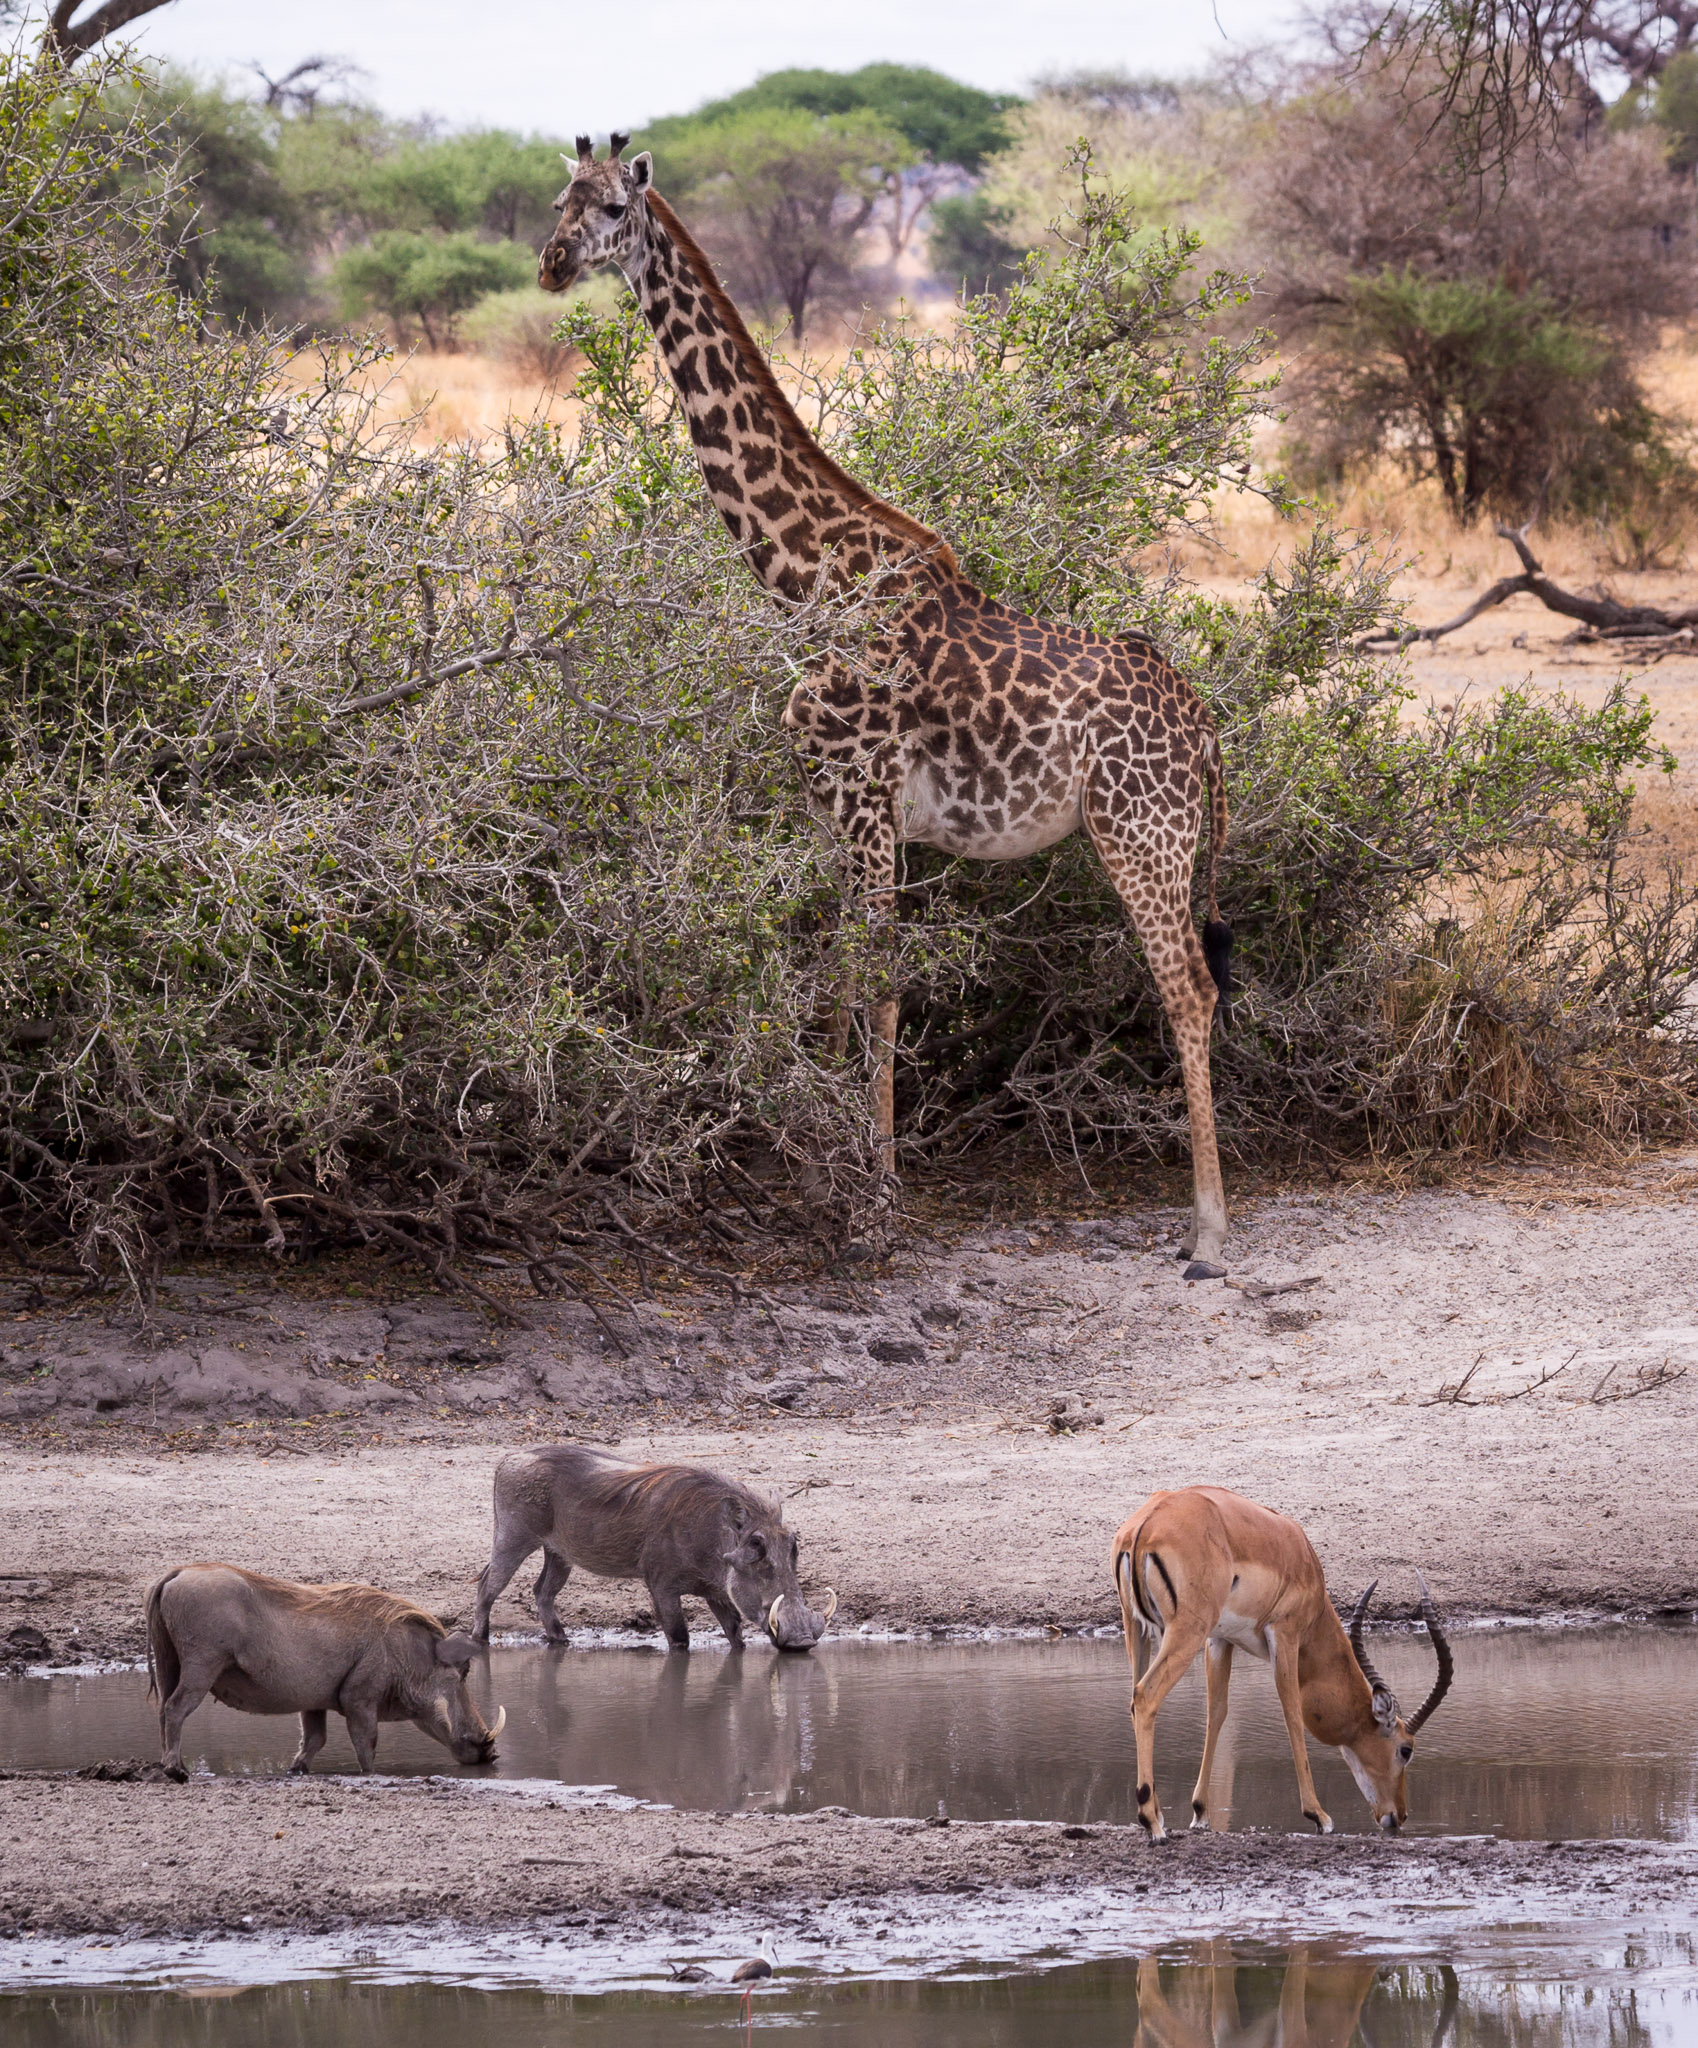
(641, 168)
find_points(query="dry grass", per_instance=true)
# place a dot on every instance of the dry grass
(453, 397)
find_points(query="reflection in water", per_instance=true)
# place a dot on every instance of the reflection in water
(1547, 1734)
(1211, 1997)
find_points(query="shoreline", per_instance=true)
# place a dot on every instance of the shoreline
(322, 1857)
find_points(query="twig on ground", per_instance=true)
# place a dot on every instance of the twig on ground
(1457, 1396)
(1647, 1380)
(1261, 1290)
(1544, 1379)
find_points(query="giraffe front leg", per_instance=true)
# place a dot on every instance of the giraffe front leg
(870, 840)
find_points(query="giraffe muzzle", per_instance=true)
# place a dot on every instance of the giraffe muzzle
(558, 267)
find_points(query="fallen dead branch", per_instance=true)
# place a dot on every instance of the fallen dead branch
(1648, 1379)
(1606, 617)
(1263, 1290)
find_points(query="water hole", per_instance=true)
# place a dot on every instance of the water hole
(1548, 1733)
(1214, 1995)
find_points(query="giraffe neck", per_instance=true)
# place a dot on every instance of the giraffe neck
(782, 497)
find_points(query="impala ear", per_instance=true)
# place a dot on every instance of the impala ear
(641, 168)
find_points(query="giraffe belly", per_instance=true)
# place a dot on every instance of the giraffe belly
(936, 818)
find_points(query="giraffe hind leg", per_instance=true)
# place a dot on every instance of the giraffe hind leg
(1158, 901)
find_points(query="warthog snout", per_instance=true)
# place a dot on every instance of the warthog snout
(794, 1625)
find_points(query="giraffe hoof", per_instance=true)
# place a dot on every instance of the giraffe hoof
(1200, 1269)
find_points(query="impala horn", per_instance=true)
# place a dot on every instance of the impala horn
(1382, 1691)
(1441, 1650)
(772, 1617)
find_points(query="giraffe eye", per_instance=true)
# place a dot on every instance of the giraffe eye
(616, 212)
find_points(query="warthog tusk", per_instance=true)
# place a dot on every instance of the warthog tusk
(830, 1609)
(772, 1617)
(500, 1722)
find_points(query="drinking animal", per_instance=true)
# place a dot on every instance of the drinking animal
(1203, 1566)
(275, 1646)
(684, 1531)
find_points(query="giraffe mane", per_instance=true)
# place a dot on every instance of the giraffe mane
(755, 363)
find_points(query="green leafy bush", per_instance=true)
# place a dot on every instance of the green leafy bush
(401, 847)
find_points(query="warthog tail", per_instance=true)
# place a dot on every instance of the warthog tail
(161, 1651)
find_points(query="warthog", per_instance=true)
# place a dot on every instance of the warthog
(679, 1529)
(272, 1646)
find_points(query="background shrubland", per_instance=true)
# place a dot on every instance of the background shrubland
(401, 849)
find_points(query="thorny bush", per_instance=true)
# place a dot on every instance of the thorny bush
(401, 848)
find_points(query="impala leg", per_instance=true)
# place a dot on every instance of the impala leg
(1291, 1705)
(1217, 1666)
(1179, 1647)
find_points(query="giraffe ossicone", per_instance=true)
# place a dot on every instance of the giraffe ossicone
(986, 733)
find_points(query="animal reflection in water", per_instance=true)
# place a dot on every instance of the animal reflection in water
(1320, 2004)
(729, 1732)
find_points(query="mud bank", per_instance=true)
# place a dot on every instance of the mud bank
(138, 1860)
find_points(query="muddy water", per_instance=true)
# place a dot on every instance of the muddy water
(1211, 1997)
(1547, 1734)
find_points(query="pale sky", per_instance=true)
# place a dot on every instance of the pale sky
(563, 65)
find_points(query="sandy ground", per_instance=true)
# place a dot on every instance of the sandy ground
(140, 1859)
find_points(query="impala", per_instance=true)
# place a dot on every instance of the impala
(1205, 1566)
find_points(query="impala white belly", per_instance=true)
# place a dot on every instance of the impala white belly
(1242, 1632)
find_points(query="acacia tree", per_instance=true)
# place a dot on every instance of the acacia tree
(1501, 71)
(1478, 325)
(951, 128)
(66, 38)
(785, 196)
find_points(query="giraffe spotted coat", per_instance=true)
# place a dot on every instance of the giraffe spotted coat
(982, 731)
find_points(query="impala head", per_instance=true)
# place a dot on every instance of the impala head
(602, 216)
(1379, 1758)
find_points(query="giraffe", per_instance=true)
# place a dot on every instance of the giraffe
(984, 732)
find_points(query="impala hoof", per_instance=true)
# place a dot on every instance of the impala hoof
(1200, 1269)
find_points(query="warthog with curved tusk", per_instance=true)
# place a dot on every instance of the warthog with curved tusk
(685, 1532)
(274, 1646)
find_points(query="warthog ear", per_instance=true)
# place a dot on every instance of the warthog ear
(457, 1649)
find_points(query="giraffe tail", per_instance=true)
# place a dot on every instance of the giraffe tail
(1217, 934)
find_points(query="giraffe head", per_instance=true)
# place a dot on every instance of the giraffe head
(602, 215)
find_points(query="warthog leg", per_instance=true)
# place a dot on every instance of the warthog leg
(669, 1612)
(362, 1733)
(728, 1618)
(513, 1544)
(554, 1574)
(195, 1680)
(312, 1740)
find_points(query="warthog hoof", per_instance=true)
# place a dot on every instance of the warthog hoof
(1200, 1269)
(176, 1773)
